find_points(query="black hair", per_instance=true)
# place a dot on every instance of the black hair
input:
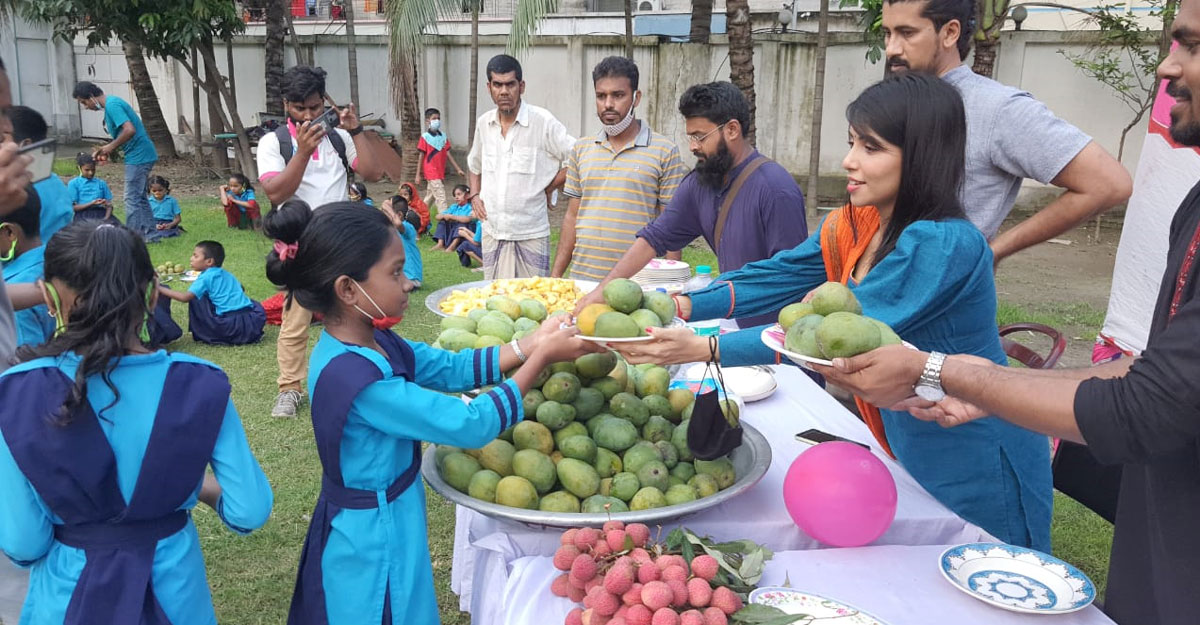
(401, 208)
(242, 180)
(28, 216)
(942, 12)
(360, 189)
(923, 116)
(302, 81)
(160, 181)
(504, 64)
(214, 251)
(83, 158)
(718, 102)
(461, 187)
(27, 124)
(430, 112)
(618, 67)
(85, 89)
(109, 269)
(341, 239)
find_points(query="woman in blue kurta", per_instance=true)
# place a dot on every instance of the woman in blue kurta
(375, 397)
(914, 263)
(105, 449)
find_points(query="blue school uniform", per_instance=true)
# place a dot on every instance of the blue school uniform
(34, 325)
(414, 265)
(166, 209)
(936, 290)
(247, 195)
(99, 509)
(471, 245)
(366, 556)
(56, 206)
(222, 313)
(83, 190)
(445, 229)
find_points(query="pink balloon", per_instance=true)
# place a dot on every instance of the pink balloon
(840, 494)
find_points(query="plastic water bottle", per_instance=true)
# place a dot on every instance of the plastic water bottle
(703, 278)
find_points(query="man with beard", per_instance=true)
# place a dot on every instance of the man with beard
(1010, 135)
(765, 211)
(516, 161)
(1142, 413)
(618, 180)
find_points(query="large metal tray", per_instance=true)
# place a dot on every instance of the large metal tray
(751, 461)
(433, 299)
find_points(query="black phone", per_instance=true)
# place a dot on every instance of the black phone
(328, 120)
(43, 158)
(815, 436)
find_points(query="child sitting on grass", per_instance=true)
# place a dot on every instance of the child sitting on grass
(167, 214)
(375, 398)
(358, 193)
(403, 218)
(469, 246)
(237, 198)
(451, 219)
(90, 196)
(219, 311)
(408, 191)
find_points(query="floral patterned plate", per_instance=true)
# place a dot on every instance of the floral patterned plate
(821, 609)
(1017, 578)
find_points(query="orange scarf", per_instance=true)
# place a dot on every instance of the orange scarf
(841, 249)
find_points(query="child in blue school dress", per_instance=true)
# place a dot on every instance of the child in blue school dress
(167, 214)
(90, 196)
(405, 221)
(219, 311)
(375, 398)
(102, 458)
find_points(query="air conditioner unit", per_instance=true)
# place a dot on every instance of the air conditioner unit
(647, 6)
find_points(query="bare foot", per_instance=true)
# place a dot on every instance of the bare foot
(437, 247)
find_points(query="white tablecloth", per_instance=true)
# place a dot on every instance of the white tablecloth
(484, 548)
(896, 584)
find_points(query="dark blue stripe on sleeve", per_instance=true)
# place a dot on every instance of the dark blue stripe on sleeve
(495, 397)
(478, 355)
(512, 398)
(493, 353)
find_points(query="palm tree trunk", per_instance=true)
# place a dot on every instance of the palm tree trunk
(403, 72)
(216, 123)
(629, 29)
(701, 21)
(152, 116)
(351, 49)
(301, 57)
(276, 32)
(473, 92)
(741, 54)
(814, 154)
(985, 56)
(990, 16)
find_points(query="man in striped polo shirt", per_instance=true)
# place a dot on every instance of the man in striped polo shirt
(618, 181)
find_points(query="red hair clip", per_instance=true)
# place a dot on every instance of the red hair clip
(286, 250)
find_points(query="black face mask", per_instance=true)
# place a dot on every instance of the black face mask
(712, 169)
(710, 435)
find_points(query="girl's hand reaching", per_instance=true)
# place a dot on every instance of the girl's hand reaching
(555, 343)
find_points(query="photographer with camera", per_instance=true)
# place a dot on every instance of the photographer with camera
(310, 159)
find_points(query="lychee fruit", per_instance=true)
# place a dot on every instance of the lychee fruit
(575, 617)
(565, 556)
(699, 592)
(593, 583)
(691, 617)
(613, 525)
(591, 618)
(601, 549)
(619, 579)
(714, 616)
(576, 594)
(641, 556)
(726, 600)
(664, 562)
(568, 537)
(657, 595)
(583, 568)
(641, 615)
(586, 537)
(561, 585)
(639, 532)
(633, 596)
(674, 572)
(648, 573)
(617, 620)
(705, 567)
(621, 611)
(615, 539)
(679, 591)
(665, 616)
(605, 603)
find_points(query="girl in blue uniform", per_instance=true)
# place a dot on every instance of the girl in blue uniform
(375, 397)
(167, 214)
(21, 251)
(105, 447)
(90, 196)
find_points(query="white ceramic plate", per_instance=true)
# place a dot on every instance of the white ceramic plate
(821, 609)
(774, 336)
(676, 323)
(1017, 578)
(749, 383)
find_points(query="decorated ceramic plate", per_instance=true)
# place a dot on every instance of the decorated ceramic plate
(1017, 578)
(676, 323)
(821, 609)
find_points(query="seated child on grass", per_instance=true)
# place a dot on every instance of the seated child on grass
(469, 245)
(219, 311)
(358, 193)
(167, 214)
(22, 253)
(237, 198)
(90, 196)
(404, 219)
(408, 191)
(451, 219)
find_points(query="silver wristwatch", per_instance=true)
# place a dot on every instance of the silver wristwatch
(929, 386)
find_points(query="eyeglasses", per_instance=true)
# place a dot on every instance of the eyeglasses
(694, 140)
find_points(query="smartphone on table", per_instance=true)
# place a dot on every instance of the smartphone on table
(815, 437)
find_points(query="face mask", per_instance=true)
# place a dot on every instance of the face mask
(384, 322)
(60, 322)
(12, 251)
(435, 124)
(620, 126)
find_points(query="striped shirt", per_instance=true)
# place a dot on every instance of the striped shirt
(619, 193)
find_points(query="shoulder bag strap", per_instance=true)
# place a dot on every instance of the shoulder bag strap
(723, 214)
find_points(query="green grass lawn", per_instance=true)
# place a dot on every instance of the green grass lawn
(252, 576)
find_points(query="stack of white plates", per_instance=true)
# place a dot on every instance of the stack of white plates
(663, 272)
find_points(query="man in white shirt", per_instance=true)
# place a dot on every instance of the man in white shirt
(312, 167)
(516, 162)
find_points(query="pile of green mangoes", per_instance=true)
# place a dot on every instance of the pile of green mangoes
(169, 268)
(501, 321)
(599, 435)
(831, 325)
(626, 311)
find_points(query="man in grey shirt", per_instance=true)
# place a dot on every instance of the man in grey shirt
(1010, 135)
